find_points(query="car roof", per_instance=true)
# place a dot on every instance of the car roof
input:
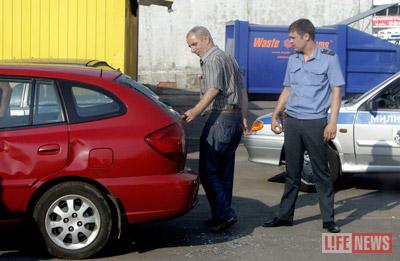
(41, 68)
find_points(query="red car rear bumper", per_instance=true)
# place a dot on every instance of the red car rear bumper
(155, 197)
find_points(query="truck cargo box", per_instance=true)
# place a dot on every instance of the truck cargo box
(262, 53)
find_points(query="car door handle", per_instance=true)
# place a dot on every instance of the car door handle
(49, 148)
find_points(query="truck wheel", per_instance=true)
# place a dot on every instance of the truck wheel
(74, 220)
(307, 184)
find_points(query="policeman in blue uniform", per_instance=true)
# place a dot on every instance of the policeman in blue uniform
(312, 85)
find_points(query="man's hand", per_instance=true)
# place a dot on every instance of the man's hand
(275, 126)
(190, 115)
(330, 129)
(330, 132)
(208, 97)
(280, 106)
(246, 130)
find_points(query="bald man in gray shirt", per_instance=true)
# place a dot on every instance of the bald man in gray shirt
(224, 101)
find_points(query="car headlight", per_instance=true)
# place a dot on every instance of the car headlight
(257, 125)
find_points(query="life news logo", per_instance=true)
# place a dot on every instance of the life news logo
(357, 243)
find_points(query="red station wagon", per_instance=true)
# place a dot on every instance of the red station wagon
(85, 149)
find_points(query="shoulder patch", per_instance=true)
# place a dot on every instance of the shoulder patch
(328, 52)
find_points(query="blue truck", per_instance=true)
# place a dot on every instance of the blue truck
(262, 52)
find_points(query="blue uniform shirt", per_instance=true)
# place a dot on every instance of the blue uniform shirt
(311, 83)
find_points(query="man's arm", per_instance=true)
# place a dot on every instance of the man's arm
(207, 98)
(331, 128)
(280, 106)
(244, 107)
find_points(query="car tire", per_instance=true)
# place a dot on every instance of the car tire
(307, 184)
(74, 220)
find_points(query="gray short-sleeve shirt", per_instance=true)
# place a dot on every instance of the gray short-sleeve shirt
(221, 71)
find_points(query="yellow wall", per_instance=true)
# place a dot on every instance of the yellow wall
(73, 29)
(131, 42)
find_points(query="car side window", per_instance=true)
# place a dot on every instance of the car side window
(91, 103)
(388, 99)
(17, 95)
(16, 99)
(15, 103)
(85, 102)
(47, 106)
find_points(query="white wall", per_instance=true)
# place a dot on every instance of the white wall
(163, 52)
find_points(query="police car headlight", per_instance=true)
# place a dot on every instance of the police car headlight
(257, 126)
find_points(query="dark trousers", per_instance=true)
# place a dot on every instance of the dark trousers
(218, 142)
(301, 135)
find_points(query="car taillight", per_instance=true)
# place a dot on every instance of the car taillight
(169, 141)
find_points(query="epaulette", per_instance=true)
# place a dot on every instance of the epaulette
(328, 52)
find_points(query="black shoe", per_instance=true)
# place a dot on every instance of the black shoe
(276, 222)
(221, 226)
(331, 227)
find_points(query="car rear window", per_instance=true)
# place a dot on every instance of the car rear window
(129, 82)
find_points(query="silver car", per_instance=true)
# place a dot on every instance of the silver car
(367, 140)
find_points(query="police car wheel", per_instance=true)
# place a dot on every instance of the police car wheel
(307, 184)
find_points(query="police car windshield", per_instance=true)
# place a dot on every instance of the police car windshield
(352, 99)
(356, 98)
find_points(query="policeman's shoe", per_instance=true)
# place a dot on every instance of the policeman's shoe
(331, 227)
(223, 225)
(276, 222)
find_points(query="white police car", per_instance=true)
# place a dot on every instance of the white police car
(367, 140)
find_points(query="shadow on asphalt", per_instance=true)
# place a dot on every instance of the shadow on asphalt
(19, 244)
(357, 206)
(146, 237)
(375, 181)
(15, 237)
(251, 215)
(385, 196)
